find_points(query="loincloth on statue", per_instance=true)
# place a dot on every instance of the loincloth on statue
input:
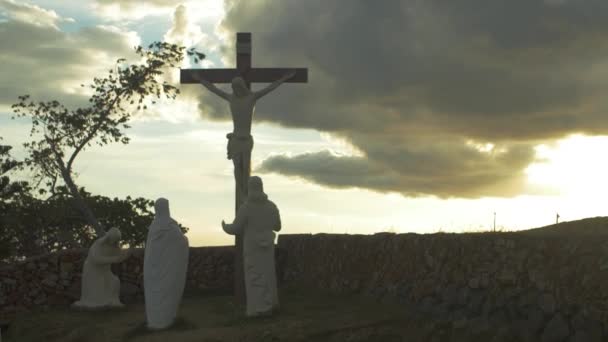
(238, 144)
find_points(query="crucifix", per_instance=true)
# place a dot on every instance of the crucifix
(242, 102)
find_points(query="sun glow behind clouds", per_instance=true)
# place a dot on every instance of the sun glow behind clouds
(574, 166)
(343, 146)
(487, 147)
(206, 9)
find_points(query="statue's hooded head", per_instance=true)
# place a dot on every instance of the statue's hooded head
(161, 207)
(255, 189)
(162, 216)
(113, 236)
(238, 86)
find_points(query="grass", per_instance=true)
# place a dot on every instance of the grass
(304, 316)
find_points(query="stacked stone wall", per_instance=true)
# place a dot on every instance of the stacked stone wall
(553, 288)
(549, 288)
(55, 279)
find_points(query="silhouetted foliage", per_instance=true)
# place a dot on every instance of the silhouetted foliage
(8, 188)
(64, 133)
(31, 226)
(195, 55)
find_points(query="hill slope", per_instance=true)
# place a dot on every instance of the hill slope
(589, 226)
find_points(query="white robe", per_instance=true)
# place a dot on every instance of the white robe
(100, 287)
(165, 267)
(257, 219)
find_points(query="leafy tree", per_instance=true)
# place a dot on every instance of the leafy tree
(9, 189)
(131, 215)
(66, 133)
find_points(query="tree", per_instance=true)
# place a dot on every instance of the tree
(131, 215)
(9, 190)
(30, 226)
(66, 133)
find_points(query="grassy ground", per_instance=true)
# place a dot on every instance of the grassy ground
(304, 316)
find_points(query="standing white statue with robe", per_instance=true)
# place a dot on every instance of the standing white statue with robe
(257, 219)
(100, 287)
(165, 267)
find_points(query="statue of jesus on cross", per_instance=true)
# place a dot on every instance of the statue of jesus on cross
(242, 103)
(240, 142)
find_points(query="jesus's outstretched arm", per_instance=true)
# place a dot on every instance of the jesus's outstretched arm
(217, 91)
(274, 85)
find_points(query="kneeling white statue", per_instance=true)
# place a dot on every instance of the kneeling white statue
(165, 266)
(257, 219)
(100, 287)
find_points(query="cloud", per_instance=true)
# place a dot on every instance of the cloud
(408, 83)
(440, 168)
(129, 4)
(327, 168)
(47, 63)
(31, 14)
(179, 31)
(183, 31)
(118, 10)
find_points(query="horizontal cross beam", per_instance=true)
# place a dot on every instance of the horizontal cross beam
(254, 75)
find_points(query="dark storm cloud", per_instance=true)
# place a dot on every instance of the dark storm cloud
(418, 167)
(409, 82)
(332, 170)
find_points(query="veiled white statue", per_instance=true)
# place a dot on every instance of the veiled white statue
(257, 219)
(100, 287)
(165, 266)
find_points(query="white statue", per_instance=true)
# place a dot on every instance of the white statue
(242, 103)
(165, 267)
(100, 287)
(258, 218)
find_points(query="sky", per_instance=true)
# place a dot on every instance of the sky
(418, 116)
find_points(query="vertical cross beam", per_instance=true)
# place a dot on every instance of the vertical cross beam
(243, 54)
(243, 65)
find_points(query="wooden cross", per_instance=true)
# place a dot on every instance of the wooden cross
(249, 74)
(243, 69)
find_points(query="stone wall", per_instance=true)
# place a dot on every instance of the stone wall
(55, 279)
(554, 287)
(542, 288)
